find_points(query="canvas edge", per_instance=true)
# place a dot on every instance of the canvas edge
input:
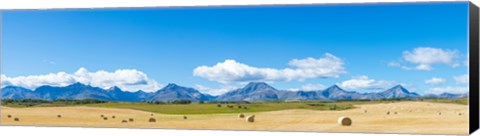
(473, 34)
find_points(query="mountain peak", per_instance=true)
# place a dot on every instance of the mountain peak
(77, 84)
(114, 88)
(334, 88)
(258, 85)
(170, 85)
(399, 88)
(398, 91)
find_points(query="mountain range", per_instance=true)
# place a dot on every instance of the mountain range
(254, 91)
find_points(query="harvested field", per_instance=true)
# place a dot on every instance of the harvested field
(412, 117)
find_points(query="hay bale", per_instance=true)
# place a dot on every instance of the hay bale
(102, 116)
(218, 105)
(439, 113)
(105, 118)
(113, 116)
(244, 107)
(459, 114)
(241, 115)
(251, 118)
(345, 121)
(124, 121)
(239, 106)
(59, 116)
(151, 114)
(395, 113)
(9, 116)
(16, 119)
(388, 112)
(152, 120)
(130, 119)
(365, 111)
(185, 117)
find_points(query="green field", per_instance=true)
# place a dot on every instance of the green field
(463, 101)
(212, 108)
(196, 108)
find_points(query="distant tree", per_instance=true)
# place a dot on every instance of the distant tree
(181, 102)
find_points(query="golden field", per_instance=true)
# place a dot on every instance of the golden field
(410, 117)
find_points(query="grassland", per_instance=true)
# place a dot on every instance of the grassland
(196, 108)
(212, 108)
(462, 101)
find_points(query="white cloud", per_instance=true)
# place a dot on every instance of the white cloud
(231, 71)
(436, 81)
(364, 83)
(461, 79)
(126, 79)
(449, 89)
(214, 91)
(425, 57)
(309, 87)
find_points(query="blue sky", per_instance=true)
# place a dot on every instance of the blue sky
(374, 46)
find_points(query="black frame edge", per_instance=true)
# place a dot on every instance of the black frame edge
(474, 100)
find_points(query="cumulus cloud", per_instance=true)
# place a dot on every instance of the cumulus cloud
(423, 58)
(436, 81)
(214, 91)
(461, 79)
(364, 83)
(126, 79)
(231, 71)
(449, 89)
(309, 87)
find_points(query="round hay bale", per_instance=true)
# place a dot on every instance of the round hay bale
(130, 119)
(244, 107)
(124, 121)
(218, 105)
(395, 113)
(16, 119)
(365, 111)
(251, 118)
(105, 118)
(241, 115)
(388, 112)
(102, 116)
(185, 117)
(439, 113)
(9, 116)
(459, 114)
(151, 114)
(113, 117)
(152, 120)
(59, 116)
(239, 106)
(345, 121)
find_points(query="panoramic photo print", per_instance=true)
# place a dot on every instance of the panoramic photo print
(375, 68)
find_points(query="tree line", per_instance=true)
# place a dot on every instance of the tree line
(33, 102)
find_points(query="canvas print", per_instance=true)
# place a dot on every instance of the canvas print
(373, 68)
